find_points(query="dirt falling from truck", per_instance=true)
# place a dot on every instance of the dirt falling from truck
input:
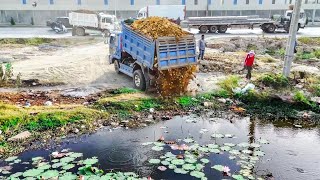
(174, 82)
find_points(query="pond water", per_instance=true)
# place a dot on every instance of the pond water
(293, 153)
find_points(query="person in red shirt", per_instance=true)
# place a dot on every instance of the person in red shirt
(248, 63)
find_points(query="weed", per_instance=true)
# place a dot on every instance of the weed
(252, 47)
(187, 101)
(18, 80)
(267, 59)
(310, 40)
(229, 83)
(281, 52)
(317, 53)
(12, 22)
(300, 98)
(27, 41)
(125, 90)
(274, 80)
(315, 89)
(222, 93)
(6, 72)
(305, 55)
(147, 104)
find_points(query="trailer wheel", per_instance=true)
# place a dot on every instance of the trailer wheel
(213, 29)
(222, 29)
(139, 81)
(80, 31)
(116, 66)
(203, 29)
(271, 28)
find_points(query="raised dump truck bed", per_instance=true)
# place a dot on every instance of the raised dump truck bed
(136, 53)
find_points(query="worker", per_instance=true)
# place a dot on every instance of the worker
(248, 63)
(295, 46)
(202, 47)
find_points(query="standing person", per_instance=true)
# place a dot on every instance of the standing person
(202, 47)
(248, 63)
(295, 46)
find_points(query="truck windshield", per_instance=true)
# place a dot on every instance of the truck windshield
(107, 20)
(140, 15)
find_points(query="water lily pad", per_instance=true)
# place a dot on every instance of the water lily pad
(263, 141)
(57, 165)
(199, 167)
(234, 152)
(190, 160)
(218, 167)
(180, 171)
(170, 155)
(159, 144)
(90, 161)
(76, 155)
(217, 151)
(243, 145)
(197, 174)
(188, 140)
(205, 161)
(188, 167)
(157, 148)
(68, 176)
(229, 135)
(37, 159)
(15, 175)
(213, 146)
(154, 161)
(165, 163)
(177, 162)
(229, 144)
(216, 135)
(50, 174)
(6, 172)
(55, 160)
(147, 143)
(171, 166)
(255, 145)
(225, 148)
(45, 167)
(258, 153)
(232, 157)
(10, 159)
(163, 157)
(69, 166)
(243, 157)
(237, 177)
(246, 151)
(203, 149)
(17, 161)
(32, 172)
(194, 147)
(67, 159)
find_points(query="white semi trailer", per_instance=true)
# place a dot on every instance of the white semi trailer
(175, 13)
(82, 20)
(221, 24)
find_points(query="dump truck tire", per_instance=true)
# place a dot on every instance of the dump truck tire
(139, 81)
(203, 29)
(117, 66)
(222, 29)
(80, 31)
(271, 28)
(213, 29)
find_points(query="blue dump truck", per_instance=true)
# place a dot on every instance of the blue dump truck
(141, 57)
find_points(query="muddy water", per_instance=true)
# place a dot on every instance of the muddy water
(292, 153)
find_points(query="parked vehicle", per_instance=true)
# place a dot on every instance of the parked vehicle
(82, 20)
(140, 57)
(63, 20)
(60, 28)
(221, 24)
(176, 13)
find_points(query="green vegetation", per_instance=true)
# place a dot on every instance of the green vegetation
(187, 101)
(13, 118)
(229, 83)
(252, 47)
(316, 89)
(305, 55)
(266, 59)
(274, 52)
(12, 22)
(274, 80)
(310, 40)
(317, 53)
(125, 90)
(6, 73)
(27, 41)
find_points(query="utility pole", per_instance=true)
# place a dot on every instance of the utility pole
(292, 38)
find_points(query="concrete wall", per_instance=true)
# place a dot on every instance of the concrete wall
(22, 13)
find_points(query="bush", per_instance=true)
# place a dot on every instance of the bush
(317, 53)
(274, 80)
(305, 55)
(299, 97)
(6, 73)
(12, 22)
(229, 83)
(310, 40)
(187, 101)
(316, 89)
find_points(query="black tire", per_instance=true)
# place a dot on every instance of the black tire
(117, 66)
(203, 29)
(139, 81)
(213, 29)
(271, 28)
(222, 29)
(53, 26)
(106, 33)
(80, 31)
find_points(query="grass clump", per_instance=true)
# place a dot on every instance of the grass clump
(125, 90)
(187, 101)
(229, 83)
(274, 80)
(26, 41)
(310, 40)
(267, 59)
(305, 55)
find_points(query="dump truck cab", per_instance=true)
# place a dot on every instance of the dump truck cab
(303, 20)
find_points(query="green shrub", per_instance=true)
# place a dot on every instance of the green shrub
(187, 101)
(310, 40)
(299, 97)
(316, 89)
(274, 80)
(12, 22)
(305, 55)
(125, 90)
(229, 83)
(317, 53)
(281, 52)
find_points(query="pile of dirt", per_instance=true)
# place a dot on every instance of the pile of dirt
(155, 27)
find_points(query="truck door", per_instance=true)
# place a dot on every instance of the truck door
(106, 23)
(114, 48)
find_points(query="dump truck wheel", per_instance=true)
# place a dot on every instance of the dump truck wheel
(106, 33)
(222, 29)
(271, 28)
(139, 81)
(203, 29)
(116, 66)
(80, 31)
(213, 29)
